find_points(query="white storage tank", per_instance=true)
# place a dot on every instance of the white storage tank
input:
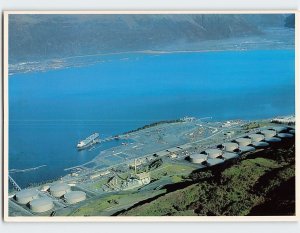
(198, 158)
(41, 205)
(272, 139)
(285, 135)
(279, 129)
(212, 162)
(246, 148)
(75, 197)
(213, 153)
(256, 137)
(59, 189)
(292, 131)
(243, 141)
(268, 133)
(228, 155)
(26, 195)
(230, 146)
(260, 144)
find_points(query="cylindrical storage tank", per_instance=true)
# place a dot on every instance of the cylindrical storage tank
(45, 188)
(285, 135)
(256, 137)
(243, 141)
(198, 158)
(292, 131)
(246, 148)
(268, 133)
(59, 189)
(279, 129)
(213, 153)
(230, 146)
(272, 139)
(75, 196)
(260, 144)
(228, 155)
(212, 162)
(26, 195)
(41, 205)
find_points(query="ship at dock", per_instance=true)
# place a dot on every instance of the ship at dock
(89, 141)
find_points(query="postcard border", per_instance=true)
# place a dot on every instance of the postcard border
(8, 218)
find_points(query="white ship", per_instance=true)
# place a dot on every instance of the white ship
(89, 141)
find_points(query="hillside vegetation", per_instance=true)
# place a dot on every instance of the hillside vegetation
(262, 183)
(41, 37)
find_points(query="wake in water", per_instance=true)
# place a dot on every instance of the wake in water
(25, 170)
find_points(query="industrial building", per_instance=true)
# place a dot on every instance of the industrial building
(41, 205)
(256, 137)
(213, 153)
(198, 158)
(59, 189)
(162, 153)
(243, 141)
(174, 149)
(230, 146)
(73, 197)
(26, 195)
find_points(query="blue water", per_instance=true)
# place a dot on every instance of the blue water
(50, 111)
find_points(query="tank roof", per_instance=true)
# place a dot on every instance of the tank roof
(213, 151)
(41, 201)
(285, 135)
(26, 193)
(247, 148)
(59, 187)
(198, 156)
(260, 144)
(243, 140)
(279, 128)
(229, 144)
(272, 139)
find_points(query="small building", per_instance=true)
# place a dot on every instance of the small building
(172, 156)
(174, 149)
(144, 177)
(161, 153)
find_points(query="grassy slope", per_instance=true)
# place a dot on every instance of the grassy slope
(261, 184)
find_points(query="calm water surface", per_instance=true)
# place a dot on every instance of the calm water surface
(50, 111)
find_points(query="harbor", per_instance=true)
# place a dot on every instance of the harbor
(153, 159)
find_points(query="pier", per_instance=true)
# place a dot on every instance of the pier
(14, 183)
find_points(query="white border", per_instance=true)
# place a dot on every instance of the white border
(143, 219)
